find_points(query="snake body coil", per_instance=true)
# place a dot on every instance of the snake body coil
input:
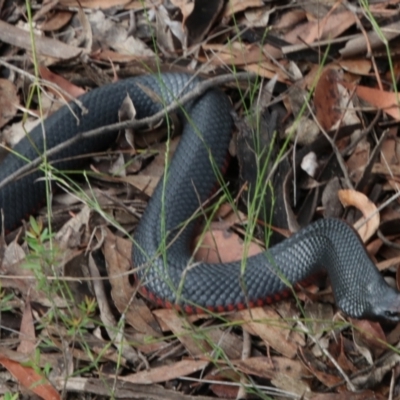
(161, 250)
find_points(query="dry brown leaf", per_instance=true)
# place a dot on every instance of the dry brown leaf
(27, 334)
(146, 184)
(116, 36)
(331, 26)
(70, 234)
(23, 279)
(47, 8)
(9, 101)
(117, 253)
(182, 329)
(85, 35)
(30, 379)
(393, 262)
(371, 335)
(384, 169)
(14, 133)
(342, 359)
(249, 56)
(66, 86)
(269, 368)
(386, 101)
(165, 373)
(319, 370)
(230, 215)
(44, 46)
(300, 388)
(149, 177)
(356, 66)
(56, 21)
(235, 54)
(222, 245)
(363, 395)
(264, 70)
(257, 18)
(374, 246)
(224, 391)
(127, 112)
(113, 56)
(331, 205)
(224, 375)
(185, 6)
(111, 325)
(290, 19)
(372, 40)
(359, 160)
(219, 244)
(390, 149)
(197, 341)
(141, 4)
(383, 5)
(267, 324)
(226, 340)
(327, 99)
(96, 4)
(367, 207)
(235, 6)
(166, 29)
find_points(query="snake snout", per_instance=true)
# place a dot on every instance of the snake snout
(387, 307)
(392, 313)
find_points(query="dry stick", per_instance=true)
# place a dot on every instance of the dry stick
(121, 204)
(246, 352)
(390, 358)
(268, 390)
(377, 148)
(381, 207)
(115, 332)
(391, 387)
(370, 54)
(373, 155)
(328, 355)
(291, 48)
(362, 134)
(200, 89)
(347, 178)
(386, 241)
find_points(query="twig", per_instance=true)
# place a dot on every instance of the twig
(200, 89)
(386, 241)
(246, 351)
(329, 356)
(268, 390)
(362, 134)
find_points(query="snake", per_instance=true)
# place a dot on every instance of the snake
(162, 254)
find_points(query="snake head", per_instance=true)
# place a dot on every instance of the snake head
(385, 306)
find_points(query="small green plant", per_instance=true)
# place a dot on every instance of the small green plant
(10, 396)
(5, 299)
(41, 257)
(83, 316)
